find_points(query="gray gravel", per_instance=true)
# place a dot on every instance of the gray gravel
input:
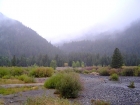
(117, 93)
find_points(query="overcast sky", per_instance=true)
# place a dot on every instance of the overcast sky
(56, 20)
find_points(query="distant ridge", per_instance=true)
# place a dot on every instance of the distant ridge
(17, 39)
(128, 41)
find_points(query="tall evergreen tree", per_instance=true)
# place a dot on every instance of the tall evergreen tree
(117, 60)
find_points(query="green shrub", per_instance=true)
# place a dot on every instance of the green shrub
(86, 71)
(29, 80)
(128, 71)
(26, 78)
(104, 72)
(77, 70)
(16, 71)
(131, 85)
(33, 72)
(6, 77)
(4, 71)
(137, 71)
(114, 77)
(52, 81)
(42, 72)
(69, 85)
(49, 71)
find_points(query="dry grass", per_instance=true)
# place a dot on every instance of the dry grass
(11, 81)
(7, 91)
(44, 100)
(1, 102)
(99, 102)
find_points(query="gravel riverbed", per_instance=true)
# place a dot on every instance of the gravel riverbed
(116, 92)
(95, 87)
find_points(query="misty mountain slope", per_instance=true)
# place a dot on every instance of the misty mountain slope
(17, 39)
(128, 41)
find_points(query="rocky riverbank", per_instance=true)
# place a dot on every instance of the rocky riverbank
(115, 92)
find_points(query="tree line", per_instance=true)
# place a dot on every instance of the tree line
(73, 60)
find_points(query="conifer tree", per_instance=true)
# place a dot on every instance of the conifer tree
(117, 60)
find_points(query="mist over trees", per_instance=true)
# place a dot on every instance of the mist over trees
(127, 41)
(22, 46)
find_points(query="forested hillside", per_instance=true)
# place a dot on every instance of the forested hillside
(128, 41)
(17, 39)
(22, 46)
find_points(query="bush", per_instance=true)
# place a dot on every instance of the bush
(69, 85)
(42, 72)
(78, 71)
(51, 82)
(16, 71)
(114, 77)
(6, 77)
(113, 71)
(137, 72)
(128, 71)
(3, 71)
(32, 72)
(86, 71)
(26, 78)
(104, 72)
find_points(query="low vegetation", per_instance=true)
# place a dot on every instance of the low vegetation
(1, 101)
(42, 72)
(68, 84)
(19, 75)
(34, 71)
(52, 82)
(104, 72)
(114, 77)
(124, 71)
(10, 81)
(26, 78)
(7, 91)
(131, 85)
(44, 100)
(99, 102)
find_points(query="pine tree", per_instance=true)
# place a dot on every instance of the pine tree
(117, 60)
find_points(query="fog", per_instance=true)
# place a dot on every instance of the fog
(66, 20)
